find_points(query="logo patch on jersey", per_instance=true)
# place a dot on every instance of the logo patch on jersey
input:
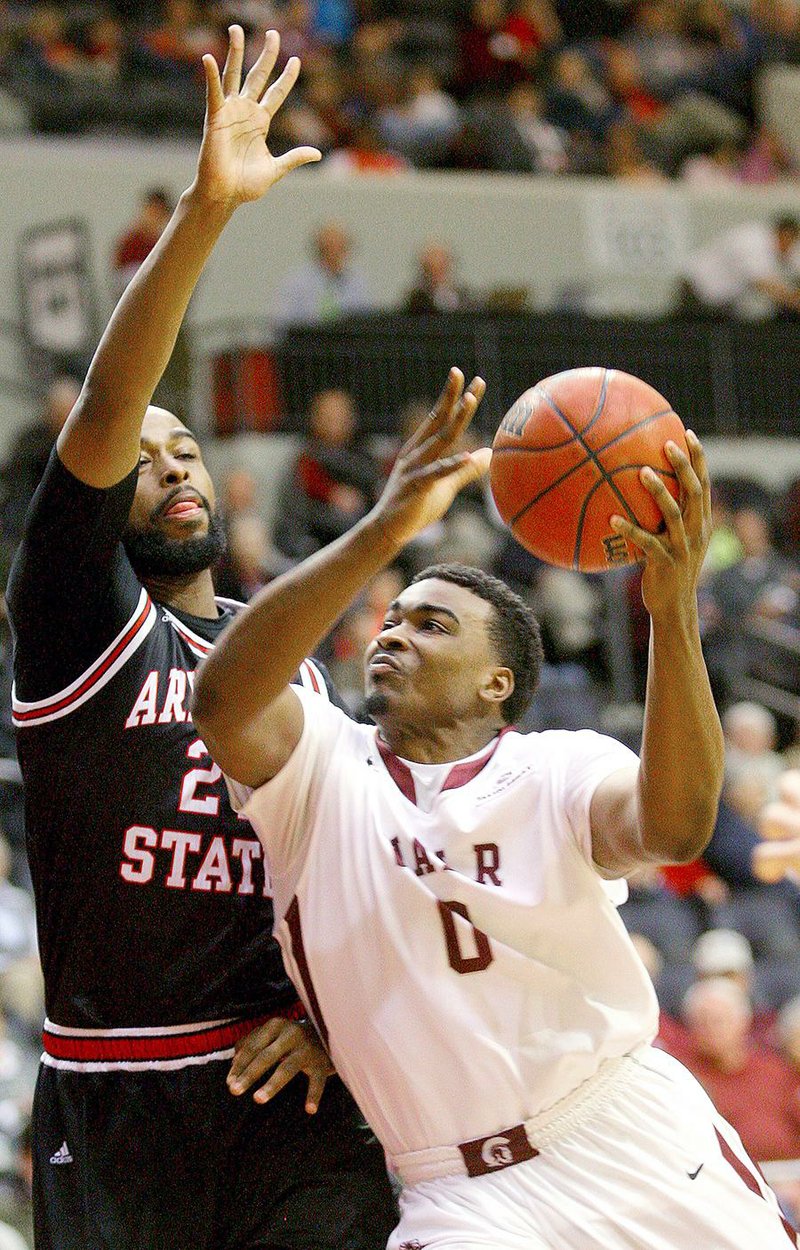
(62, 1155)
(504, 782)
(413, 1245)
(500, 1150)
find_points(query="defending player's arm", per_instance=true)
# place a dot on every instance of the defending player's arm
(100, 442)
(665, 810)
(248, 716)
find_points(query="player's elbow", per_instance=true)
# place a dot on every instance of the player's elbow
(682, 840)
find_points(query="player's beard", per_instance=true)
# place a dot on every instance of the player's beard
(153, 554)
(376, 703)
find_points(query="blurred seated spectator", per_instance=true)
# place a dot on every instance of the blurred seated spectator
(766, 159)
(751, 1086)
(625, 158)
(718, 166)
(140, 236)
(577, 98)
(364, 152)
(422, 123)
(487, 53)
(250, 559)
(752, 763)
(437, 288)
(660, 915)
(27, 459)
(331, 485)
(533, 25)
(327, 286)
(171, 49)
(751, 270)
(510, 134)
(760, 585)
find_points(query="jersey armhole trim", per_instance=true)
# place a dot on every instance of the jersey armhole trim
(94, 678)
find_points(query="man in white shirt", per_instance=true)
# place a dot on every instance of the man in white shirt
(445, 886)
(749, 271)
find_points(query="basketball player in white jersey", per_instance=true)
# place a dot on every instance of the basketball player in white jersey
(445, 887)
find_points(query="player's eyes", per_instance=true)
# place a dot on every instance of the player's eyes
(432, 625)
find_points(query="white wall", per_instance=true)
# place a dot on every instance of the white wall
(623, 245)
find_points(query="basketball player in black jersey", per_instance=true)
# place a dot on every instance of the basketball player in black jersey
(153, 904)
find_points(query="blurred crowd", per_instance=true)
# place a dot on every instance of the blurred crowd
(633, 89)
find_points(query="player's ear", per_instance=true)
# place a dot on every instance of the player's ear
(498, 685)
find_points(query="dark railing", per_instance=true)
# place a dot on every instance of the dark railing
(723, 377)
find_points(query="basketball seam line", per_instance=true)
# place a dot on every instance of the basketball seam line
(587, 498)
(590, 457)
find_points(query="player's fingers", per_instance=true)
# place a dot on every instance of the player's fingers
(779, 821)
(285, 1072)
(232, 71)
(669, 506)
(214, 97)
(700, 466)
(294, 159)
(446, 431)
(691, 489)
(276, 94)
(316, 1088)
(648, 544)
(247, 1073)
(441, 410)
(258, 77)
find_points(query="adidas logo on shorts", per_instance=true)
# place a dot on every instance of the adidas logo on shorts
(62, 1155)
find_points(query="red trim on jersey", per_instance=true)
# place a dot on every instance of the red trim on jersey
(117, 1047)
(458, 776)
(192, 640)
(743, 1172)
(300, 958)
(312, 676)
(47, 709)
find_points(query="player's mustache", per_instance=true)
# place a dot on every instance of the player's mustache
(173, 495)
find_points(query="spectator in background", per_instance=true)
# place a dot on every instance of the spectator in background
(324, 288)
(437, 288)
(751, 1086)
(421, 124)
(365, 152)
(332, 484)
(752, 763)
(27, 458)
(750, 271)
(140, 237)
(510, 134)
(757, 586)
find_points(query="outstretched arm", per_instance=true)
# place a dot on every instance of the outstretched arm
(243, 706)
(100, 442)
(665, 811)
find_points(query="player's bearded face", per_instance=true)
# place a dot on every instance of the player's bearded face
(156, 554)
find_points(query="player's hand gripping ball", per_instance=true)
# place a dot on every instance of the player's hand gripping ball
(567, 457)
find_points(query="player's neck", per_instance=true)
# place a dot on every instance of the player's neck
(193, 594)
(444, 744)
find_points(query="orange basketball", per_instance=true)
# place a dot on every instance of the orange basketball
(567, 457)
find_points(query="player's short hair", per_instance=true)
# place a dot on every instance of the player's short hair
(513, 630)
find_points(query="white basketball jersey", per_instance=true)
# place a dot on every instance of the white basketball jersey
(461, 957)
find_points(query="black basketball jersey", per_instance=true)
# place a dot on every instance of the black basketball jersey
(152, 899)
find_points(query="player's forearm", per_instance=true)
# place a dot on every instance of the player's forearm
(139, 339)
(682, 755)
(141, 334)
(262, 649)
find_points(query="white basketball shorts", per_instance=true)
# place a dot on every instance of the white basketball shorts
(652, 1167)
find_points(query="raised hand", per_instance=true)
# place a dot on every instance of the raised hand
(430, 470)
(673, 559)
(235, 164)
